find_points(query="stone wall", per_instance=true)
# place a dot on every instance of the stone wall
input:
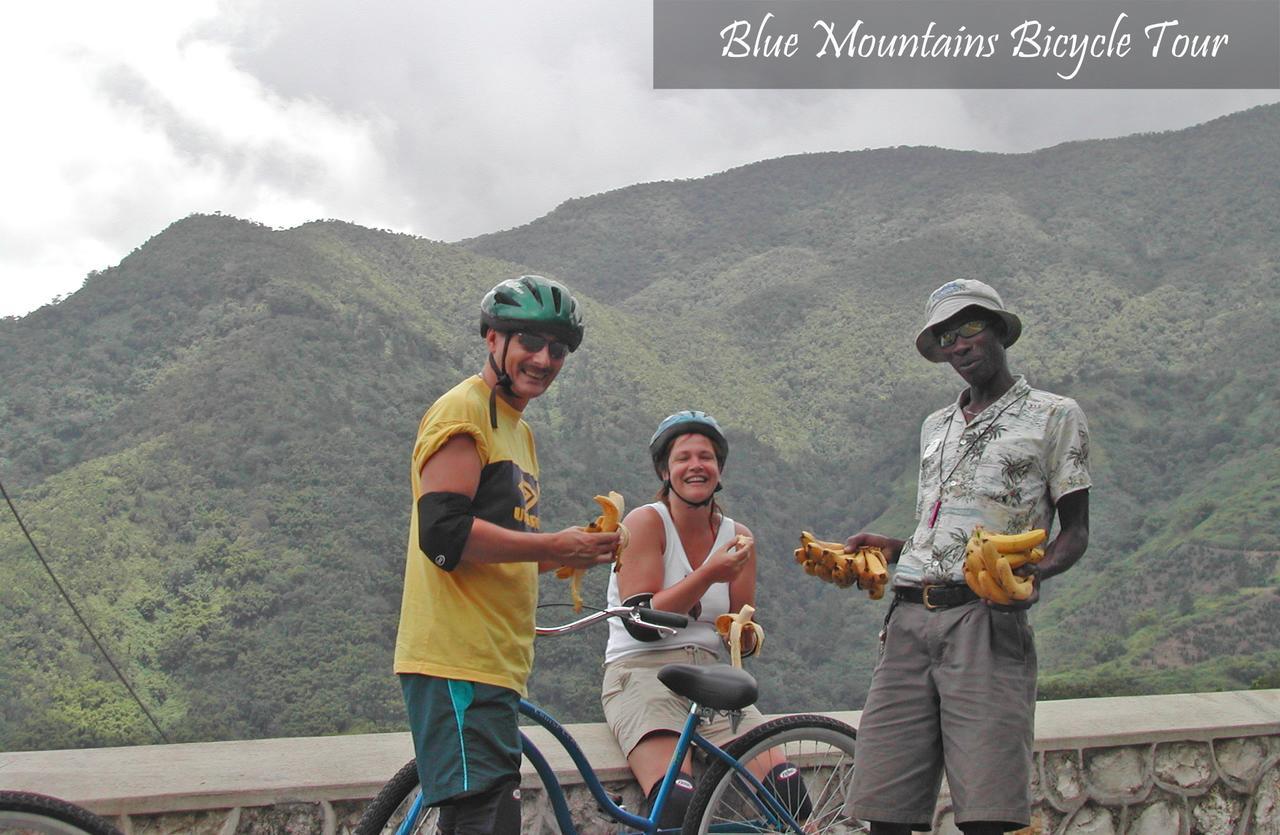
(1229, 786)
(1194, 764)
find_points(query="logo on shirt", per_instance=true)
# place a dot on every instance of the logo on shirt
(529, 492)
(527, 512)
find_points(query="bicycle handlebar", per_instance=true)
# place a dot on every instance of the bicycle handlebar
(664, 623)
(657, 617)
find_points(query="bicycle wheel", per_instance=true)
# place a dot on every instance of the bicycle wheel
(31, 812)
(386, 812)
(823, 750)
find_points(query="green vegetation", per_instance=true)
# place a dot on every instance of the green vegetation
(211, 439)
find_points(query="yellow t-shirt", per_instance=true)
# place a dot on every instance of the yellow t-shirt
(475, 623)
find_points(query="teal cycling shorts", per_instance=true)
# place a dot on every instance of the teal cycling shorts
(466, 735)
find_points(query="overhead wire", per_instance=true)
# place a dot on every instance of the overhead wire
(79, 617)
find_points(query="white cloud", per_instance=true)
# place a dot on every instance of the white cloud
(443, 119)
(127, 119)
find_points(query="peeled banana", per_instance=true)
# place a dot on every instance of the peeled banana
(614, 508)
(733, 627)
(989, 561)
(866, 568)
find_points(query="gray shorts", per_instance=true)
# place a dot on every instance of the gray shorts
(955, 689)
(636, 704)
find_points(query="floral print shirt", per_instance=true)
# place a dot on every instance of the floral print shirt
(1004, 470)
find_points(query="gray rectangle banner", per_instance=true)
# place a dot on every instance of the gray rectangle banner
(974, 44)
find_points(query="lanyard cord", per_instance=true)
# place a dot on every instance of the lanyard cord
(942, 482)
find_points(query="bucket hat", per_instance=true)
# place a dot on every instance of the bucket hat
(955, 296)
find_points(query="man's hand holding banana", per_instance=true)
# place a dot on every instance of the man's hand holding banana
(865, 567)
(1001, 568)
(613, 506)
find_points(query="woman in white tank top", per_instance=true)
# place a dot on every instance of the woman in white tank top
(684, 556)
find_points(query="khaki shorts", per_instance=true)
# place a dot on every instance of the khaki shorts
(955, 690)
(636, 704)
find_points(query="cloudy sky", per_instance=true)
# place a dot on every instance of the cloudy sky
(443, 119)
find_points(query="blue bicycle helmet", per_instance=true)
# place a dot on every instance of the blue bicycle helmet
(683, 423)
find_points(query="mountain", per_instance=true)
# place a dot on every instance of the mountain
(211, 439)
(1145, 269)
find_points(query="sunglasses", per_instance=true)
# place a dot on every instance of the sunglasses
(971, 328)
(535, 342)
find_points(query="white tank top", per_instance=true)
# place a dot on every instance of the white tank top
(715, 602)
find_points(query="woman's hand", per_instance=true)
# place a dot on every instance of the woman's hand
(725, 563)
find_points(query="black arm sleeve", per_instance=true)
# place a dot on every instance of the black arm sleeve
(444, 524)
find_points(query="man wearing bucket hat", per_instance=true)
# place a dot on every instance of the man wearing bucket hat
(955, 687)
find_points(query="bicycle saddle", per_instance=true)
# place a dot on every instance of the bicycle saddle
(717, 686)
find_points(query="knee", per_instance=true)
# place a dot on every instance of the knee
(787, 784)
(986, 827)
(882, 828)
(677, 803)
(492, 812)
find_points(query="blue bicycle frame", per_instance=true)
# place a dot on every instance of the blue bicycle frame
(773, 813)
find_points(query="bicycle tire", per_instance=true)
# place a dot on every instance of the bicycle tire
(823, 749)
(31, 812)
(387, 810)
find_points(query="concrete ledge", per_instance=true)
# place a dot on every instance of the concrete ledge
(1130, 720)
(148, 780)
(152, 779)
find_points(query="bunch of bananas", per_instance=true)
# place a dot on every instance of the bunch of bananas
(989, 560)
(614, 507)
(867, 568)
(732, 628)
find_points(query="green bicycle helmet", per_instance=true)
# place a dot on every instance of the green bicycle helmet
(533, 303)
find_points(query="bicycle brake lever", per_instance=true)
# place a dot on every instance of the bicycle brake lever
(664, 631)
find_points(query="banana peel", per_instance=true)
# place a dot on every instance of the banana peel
(989, 561)
(866, 568)
(614, 507)
(732, 628)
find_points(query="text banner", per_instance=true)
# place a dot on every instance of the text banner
(976, 44)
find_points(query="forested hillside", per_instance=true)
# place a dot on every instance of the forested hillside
(211, 439)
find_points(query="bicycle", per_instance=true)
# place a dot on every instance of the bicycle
(729, 797)
(31, 812)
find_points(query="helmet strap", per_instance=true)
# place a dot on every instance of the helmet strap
(504, 381)
(708, 500)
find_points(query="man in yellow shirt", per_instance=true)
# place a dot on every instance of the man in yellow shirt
(465, 643)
